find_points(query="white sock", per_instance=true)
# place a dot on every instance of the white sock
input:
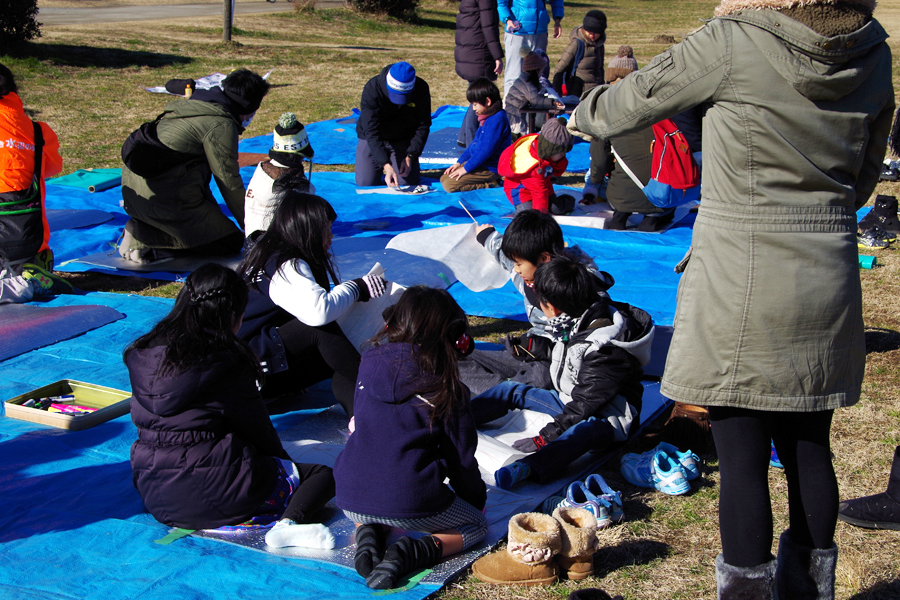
(311, 535)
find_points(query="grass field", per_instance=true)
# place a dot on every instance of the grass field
(84, 81)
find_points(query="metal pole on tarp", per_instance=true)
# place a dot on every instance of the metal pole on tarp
(228, 20)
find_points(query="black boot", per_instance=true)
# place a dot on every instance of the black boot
(656, 223)
(804, 573)
(881, 511)
(619, 221)
(883, 214)
(745, 583)
(403, 557)
(370, 541)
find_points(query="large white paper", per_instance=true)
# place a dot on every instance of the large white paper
(456, 247)
(363, 320)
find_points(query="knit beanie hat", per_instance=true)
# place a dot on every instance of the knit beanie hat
(594, 21)
(554, 138)
(533, 62)
(401, 79)
(290, 136)
(621, 64)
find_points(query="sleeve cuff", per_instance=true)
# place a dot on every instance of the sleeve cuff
(362, 290)
(484, 235)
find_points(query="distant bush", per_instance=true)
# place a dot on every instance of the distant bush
(401, 9)
(18, 22)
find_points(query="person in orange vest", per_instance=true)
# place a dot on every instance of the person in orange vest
(24, 233)
(532, 162)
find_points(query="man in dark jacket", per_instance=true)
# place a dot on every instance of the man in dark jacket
(177, 210)
(394, 119)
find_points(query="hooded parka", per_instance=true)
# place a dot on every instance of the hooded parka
(179, 202)
(769, 313)
(477, 39)
(589, 69)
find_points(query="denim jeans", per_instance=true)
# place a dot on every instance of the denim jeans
(546, 463)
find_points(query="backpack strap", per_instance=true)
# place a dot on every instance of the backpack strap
(38, 152)
(579, 54)
(625, 168)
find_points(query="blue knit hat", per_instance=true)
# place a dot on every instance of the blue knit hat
(401, 79)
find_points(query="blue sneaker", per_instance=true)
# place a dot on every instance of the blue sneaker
(596, 486)
(655, 469)
(774, 461)
(687, 459)
(511, 474)
(549, 505)
(578, 497)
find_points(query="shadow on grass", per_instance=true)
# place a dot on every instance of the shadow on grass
(883, 590)
(90, 56)
(881, 340)
(628, 553)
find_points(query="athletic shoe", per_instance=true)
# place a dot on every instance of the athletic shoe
(655, 469)
(873, 239)
(596, 486)
(578, 497)
(550, 504)
(773, 458)
(511, 474)
(687, 459)
(45, 283)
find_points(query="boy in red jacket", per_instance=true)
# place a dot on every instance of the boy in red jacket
(530, 164)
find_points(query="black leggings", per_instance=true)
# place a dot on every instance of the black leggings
(742, 439)
(315, 489)
(314, 354)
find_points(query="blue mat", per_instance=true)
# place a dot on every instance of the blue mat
(74, 527)
(641, 263)
(334, 141)
(26, 327)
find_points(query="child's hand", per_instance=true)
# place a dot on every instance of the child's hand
(529, 445)
(456, 171)
(513, 25)
(560, 105)
(482, 227)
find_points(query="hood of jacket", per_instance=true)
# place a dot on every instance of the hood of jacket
(630, 329)
(728, 7)
(173, 394)
(820, 68)
(391, 373)
(184, 108)
(575, 34)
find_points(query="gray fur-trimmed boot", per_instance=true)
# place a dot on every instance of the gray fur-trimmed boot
(804, 573)
(745, 583)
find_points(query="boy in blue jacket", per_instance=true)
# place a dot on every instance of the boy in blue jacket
(477, 167)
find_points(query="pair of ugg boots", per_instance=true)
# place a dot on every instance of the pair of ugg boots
(799, 573)
(541, 548)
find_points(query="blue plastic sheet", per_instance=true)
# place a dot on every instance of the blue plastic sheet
(334, 141)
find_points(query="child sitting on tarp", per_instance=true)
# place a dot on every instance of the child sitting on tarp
(530, 240)
(477, 167)
(530, 165)
(283, 171)
(600, 347)
(22, 282)
(207, 455)
(580, 68)
(529, 91)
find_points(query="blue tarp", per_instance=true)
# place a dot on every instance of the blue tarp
(640, 262)
(73, 525)
(334, 141)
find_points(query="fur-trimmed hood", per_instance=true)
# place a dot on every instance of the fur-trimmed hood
(729, 7)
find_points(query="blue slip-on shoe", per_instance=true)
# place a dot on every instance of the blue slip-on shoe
(687, 459)
(577, 496)
(655, 469)
(511, 474)
(596, 486)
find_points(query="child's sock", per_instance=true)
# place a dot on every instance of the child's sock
(511, 474)
(404, 556)
(370, 540)
(309, 535)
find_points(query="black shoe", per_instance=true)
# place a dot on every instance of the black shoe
(403, 557)
(370, 541)
(619, 221)
(883, 214)
(658, 223)
(881, 511)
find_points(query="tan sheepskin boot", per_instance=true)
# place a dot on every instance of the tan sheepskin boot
(578, 528)
(528, 557)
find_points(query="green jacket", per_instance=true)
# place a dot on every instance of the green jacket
(769, 313)
(179, 202)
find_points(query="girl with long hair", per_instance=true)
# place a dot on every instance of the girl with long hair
(414, 429)
(295, 297)
(207, 454)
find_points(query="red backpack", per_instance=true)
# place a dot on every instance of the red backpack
(674, 174)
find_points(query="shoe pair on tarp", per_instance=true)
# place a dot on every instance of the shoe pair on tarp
(594, 495)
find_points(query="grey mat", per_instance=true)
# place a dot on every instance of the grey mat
(25, 327)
